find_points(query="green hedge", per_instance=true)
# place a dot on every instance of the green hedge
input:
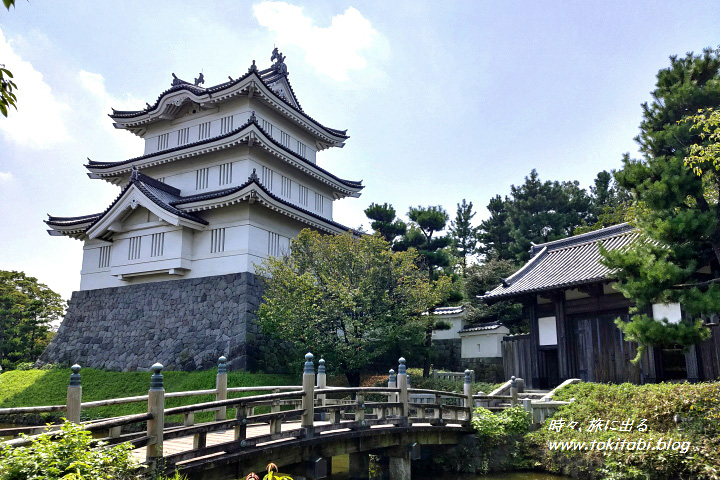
(685, 416)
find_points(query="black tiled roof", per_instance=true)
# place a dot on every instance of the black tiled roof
(479, 327)
(70, 221)
(168, 198)
(223, 86)
(268, 138)
(229, 191)
(447, 310)
(565, 263)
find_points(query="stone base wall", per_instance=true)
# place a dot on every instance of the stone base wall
(488, 369)
(446, 354)
(183, 324)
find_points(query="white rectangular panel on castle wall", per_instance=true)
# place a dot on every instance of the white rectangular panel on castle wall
(481, 346)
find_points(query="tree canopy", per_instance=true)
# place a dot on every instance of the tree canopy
(384, 222)
(675, 206)
(535, 212)
(27, 308)
(349, 300)
(463, 235)
(7, 86)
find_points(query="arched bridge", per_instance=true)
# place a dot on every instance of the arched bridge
(304, 428)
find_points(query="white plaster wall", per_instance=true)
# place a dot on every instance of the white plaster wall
(481, 345)
(453, 333)
(247, 233)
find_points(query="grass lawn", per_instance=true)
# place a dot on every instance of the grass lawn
(22, 388)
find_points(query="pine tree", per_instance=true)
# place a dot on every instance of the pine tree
(464, 236)
(676, 209)
(384, 221)
(494, 232)
(426, 223)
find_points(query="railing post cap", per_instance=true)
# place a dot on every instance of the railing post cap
(75, 368)
(391, 371)
(309, 365)
(222, 359)
(401, 360)
(157, 368)
(322, 361)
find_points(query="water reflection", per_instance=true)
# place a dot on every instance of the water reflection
(340, 465)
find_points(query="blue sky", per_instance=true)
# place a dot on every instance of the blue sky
(443, 101)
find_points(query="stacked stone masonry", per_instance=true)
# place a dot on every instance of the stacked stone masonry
(183, 324)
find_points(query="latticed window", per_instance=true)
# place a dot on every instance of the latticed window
(183, 136)
(217, 240)
(226, 124)
(104, 260)
(267, 126)
(273, 244)
(301, 149)
(267, 178)
(134, 248)
(204, 130)
(158, 244)
(286, 187)
(225, 173)
(303, 195)
(162, 141)
(201, 178)
(319, 203)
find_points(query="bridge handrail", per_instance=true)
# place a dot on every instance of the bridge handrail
(232, 402)
(356, 390)
(102, 425)
(138, 398)
(436, 392)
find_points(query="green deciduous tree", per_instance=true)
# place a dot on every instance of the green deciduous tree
(7, 86)
(676, 208)
(27, 308)
(384, 221)
(463, 234)
(347, 299)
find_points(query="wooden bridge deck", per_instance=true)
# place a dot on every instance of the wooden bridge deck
(185, 444)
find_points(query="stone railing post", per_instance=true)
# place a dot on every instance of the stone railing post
(74, 396)
(156, 406)
(467, 391)
(513, 391)
(392, 383)
(308, 400)
(402, 383)
(321, 383)
(221, 388)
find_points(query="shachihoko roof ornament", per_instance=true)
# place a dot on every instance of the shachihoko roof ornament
(279, 66)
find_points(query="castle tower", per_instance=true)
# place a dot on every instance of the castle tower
(227, 178)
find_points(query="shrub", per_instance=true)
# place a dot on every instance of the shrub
(70, 457)
(696, 407)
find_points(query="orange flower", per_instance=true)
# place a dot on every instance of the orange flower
(252, 476)
(271, 466)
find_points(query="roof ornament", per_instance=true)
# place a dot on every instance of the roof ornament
(253, 67)
(178, 81)
(253, 177)
(200, 79)
(134, 174)
(230, 78)
(504, 282)
(280, 66)
(147, 106)
(253, 118)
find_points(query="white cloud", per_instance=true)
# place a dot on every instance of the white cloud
(94, 83)
(345, 45)
(38, 121)
(6, 177)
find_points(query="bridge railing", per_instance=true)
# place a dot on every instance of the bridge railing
(318, 407)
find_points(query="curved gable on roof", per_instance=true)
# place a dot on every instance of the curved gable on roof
(565, 263)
